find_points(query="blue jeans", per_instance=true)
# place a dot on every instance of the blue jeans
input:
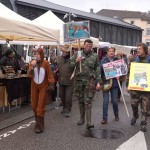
(114, 100)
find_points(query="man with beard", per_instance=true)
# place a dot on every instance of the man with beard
(140, 97)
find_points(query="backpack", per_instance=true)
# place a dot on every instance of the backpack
(147, 61)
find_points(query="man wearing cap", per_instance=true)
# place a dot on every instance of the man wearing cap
(87, 80)
(65, 83)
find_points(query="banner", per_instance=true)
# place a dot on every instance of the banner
(115, 69)
(76, 30)
(139, 78)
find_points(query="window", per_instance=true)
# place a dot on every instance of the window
(148, 43)
(132, 22)
(148, 31)
(148, 22)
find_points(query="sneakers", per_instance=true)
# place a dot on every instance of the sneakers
(133, 121)
(104, 121)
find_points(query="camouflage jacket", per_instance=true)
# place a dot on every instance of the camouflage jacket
(65, 71)
(89, 66)
(141, 60)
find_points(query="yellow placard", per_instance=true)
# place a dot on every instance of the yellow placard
(139, 78)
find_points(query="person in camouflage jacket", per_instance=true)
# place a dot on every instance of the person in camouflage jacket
(87, 80)
(140, 97)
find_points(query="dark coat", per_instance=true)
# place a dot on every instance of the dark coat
(104, 61)
(65, 71)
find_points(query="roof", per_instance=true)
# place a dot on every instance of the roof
(145, 17)
(43, 4)
(119, 13)
(15, 27)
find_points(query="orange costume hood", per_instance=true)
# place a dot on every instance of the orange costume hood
(41, 52)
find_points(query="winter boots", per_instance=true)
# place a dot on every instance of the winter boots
(85, 109)
(88, 110)
(82, 115)
(39, 124)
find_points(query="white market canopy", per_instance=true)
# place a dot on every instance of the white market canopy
(50, 20)
(16, 27)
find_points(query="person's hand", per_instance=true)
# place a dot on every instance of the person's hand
(98, 86)
(33, 63)
(78, 59)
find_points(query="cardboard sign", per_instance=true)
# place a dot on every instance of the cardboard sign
(115, 69)
(77, 30)
(139, 78)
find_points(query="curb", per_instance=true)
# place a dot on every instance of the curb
(17, 119)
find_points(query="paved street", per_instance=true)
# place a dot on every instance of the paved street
(63, 134)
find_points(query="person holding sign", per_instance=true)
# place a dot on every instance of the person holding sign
(87, 80)
(138, 96)
(109, 86)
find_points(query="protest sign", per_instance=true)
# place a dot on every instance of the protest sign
(115, 69)
(139, 78)
(76, 30)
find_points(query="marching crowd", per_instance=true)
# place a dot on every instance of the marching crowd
(83, 75)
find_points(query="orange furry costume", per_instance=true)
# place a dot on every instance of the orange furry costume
(41, 77)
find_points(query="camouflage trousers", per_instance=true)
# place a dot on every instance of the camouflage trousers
(144, 100)
(84, 91)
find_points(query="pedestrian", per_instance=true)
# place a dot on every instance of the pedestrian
(87, 80)
(112, 89)
(41, 80)
(140, 97)
(64, 79)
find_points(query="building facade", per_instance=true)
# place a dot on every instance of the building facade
(136, 18)
(106, 28)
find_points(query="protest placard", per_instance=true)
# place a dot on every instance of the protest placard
(115, 69)
(139, 78)
(76, 30)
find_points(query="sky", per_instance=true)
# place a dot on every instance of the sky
(85, 5)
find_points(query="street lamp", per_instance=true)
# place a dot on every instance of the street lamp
(69, 15)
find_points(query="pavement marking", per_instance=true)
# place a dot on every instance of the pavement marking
(4, 135)
(137, 142)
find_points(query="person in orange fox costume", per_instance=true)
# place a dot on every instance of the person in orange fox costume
(41, 80)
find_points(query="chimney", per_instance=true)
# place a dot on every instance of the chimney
(92, 10)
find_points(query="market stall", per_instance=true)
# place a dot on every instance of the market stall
(15, 28)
